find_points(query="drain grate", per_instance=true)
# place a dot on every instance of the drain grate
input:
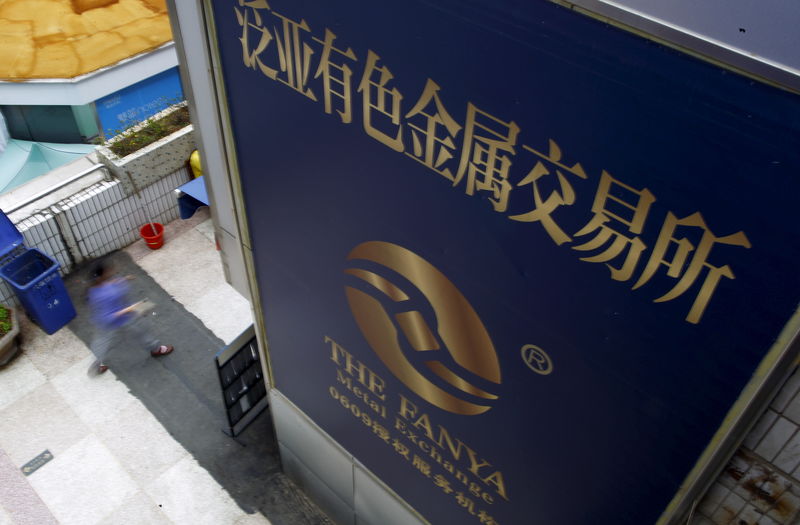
(33, 465)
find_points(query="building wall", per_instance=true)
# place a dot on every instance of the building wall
(230, 228)
(133, 104)
(86, 119)
(42, 123)
(761, 484)
(335, 480)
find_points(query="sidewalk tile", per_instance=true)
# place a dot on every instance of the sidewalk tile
(207, 229)
(96, 399)
(185, 281)
(140, 443)
(18, 379)
(237, 318)
(83, 484)
(51, 354)
(40, 421)
(188, 494)
(138, 509)
(5, 519)
(23, 505)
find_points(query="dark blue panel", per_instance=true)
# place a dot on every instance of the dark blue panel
(684, 193)
(137, 102)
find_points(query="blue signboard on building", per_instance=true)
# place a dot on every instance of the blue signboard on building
(137, 102)
(520, 263)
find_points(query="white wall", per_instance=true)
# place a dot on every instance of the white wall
(197, 75)
(756, 37)
(88, 88)
(765, 29)
(4, 136)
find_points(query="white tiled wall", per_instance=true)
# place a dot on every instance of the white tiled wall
(761, 484)
(104, 219)
(41, 231)
(101, 218)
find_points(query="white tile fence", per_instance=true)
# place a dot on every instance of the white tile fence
(96, 221)
(103, 219)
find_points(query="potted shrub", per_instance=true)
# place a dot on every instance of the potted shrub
(150, 150)
(9, 332)
(151, 130)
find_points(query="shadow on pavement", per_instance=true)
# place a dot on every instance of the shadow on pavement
(182, 391)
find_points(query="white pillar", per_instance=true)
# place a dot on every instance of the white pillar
(4, 136)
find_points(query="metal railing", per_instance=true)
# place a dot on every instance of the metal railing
(54, 189)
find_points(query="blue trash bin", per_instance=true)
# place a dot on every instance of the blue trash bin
(34, 277)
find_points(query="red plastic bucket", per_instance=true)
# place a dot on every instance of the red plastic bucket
(155, 240)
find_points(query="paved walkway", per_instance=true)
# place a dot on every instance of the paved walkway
(141, 444)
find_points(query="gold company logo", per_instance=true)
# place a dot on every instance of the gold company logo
(394, 294)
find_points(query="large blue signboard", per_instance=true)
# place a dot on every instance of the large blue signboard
(133, 104)
(520, 263)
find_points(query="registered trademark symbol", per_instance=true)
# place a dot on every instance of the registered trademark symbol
(537, 359)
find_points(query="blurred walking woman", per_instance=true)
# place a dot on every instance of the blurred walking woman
(115, 318)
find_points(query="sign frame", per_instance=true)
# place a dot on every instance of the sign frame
(773, 369)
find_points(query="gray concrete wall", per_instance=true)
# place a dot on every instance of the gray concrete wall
(337, 482)
(198, 74)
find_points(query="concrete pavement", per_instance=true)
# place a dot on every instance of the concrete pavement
(142, 443)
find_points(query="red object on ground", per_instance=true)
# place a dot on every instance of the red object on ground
(153, 235)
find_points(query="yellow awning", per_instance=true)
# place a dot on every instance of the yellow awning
(69, 38)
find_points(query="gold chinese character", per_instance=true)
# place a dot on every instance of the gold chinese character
(486, 139)
(295, 56)
(465, 502)
(442, 483)
(251, 54)
(485, 518)
(421, 465)
(381, 431)
(691, 269)
(336, 75)
(401, 449)
(544, 208)
(379, 102)
(611, 192)
(430, 149)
